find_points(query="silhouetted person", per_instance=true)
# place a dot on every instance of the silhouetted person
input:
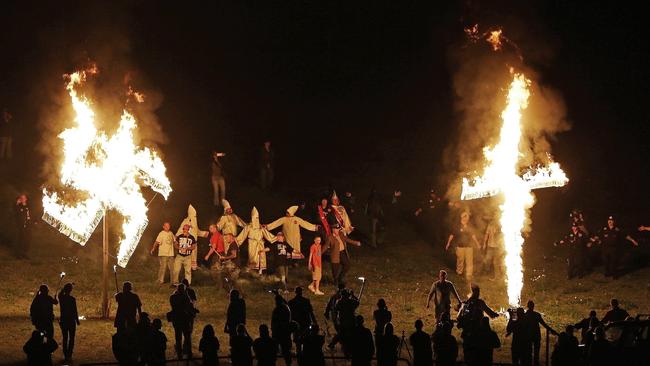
(209, 346)
(534, 320)
(362, 345)
(421, 344)
(236, 313)
(346, 308)
(616, 314)
(143, 332)
(128, 304)
(600, 352)
(382, 316)
(469, 320)
(23, 218)
(68, 320)
(265, 347)
(517, 326)
(387, 344)
(587, 327)
(157, 344)
(280, 327)
(487, 341)
(240, 347)
(312, 347)
(445, 346)
(181, 318)
(125, 346)
(565, 351)
(39, 349)
(301, 310)
(42, 311)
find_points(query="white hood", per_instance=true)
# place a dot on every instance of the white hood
(292, 210)
(255, 218)
(226, 205)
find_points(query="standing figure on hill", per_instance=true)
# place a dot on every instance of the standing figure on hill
(493, 247)
(181, 317)
(336, 244)
(194, 230)
(315, 266)
(375, 213)
(23, 217)
(68, 320)
(323, 213)
(291, 225)
(6, 138)
(255, 234)
(464, 241)
(338, 215)
(217, 178)
(441, 292)
(42, 311)
(616, 314)
(587, 327)
(165, 245)
(382, 316)
(612, 239)
(578, 243)
(470, 317)
(267, 166)
(235, 314)
(128, 304)
(229, 222)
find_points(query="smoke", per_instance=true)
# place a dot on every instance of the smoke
(480, 78)
(105, 44)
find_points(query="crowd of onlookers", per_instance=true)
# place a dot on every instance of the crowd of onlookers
(295, 332)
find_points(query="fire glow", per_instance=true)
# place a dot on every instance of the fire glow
(105, 171)
(501, 175)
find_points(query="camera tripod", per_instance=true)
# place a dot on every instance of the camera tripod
(399, 348)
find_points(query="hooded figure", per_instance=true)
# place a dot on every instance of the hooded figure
(291, 227)
(194, 230)
(255, 234)
(229, 222)
(340, 215)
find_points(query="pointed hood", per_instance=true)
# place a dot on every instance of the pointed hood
(335, 197)
(226, 204)
(292, 210)
(191, 212)
(255, 218)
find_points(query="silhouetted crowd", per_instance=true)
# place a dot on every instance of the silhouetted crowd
(294, 332)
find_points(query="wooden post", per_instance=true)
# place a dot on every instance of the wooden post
(105, 303)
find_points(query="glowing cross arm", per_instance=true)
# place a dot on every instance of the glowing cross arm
(152, 170)
(76, 222)
(542, 177)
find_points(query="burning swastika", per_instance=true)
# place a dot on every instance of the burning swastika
(105, 172)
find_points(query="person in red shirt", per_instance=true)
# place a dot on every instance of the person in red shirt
(315, 266)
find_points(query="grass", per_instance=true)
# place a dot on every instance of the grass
(401, 272)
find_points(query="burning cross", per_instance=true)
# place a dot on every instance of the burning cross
(105, 171)
(501, 176)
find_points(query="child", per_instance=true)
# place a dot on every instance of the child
(315, 266)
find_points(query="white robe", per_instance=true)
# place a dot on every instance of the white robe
(291, 229)
(346, 224)
(229, 223)
(255, 234)
(191, 220)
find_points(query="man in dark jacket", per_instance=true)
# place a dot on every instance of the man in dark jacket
(42, 311)
(128, 303)
(181, 316)
(236, 313)
(336, 246)
(68, 320)
(281, 327)
(363, 347)
(22, 215)
(421, 343)
(534, 320)
(265, 348)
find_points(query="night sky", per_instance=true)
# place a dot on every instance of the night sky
(351, 93)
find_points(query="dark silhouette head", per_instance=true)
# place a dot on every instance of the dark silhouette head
(279, 300)
(298, 291)
(476, 291)
(157, 324)
(520, 313)
(614, 303)
(359, 320)
(127, 286)
(67, 289)
(389, 330)
(144, 319)
(264, 331)
(234, 295)
(208, 331)
(530, 305)
(569, 329)
(241, 330)
(592, 314)
(43, 289)
(381, 304)
(341, 286)
(180, 288)
(185, 282)
(419, 324)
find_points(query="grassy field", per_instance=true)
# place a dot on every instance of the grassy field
(401, 272)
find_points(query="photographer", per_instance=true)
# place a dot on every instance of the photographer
(469, 320)
(39, 349)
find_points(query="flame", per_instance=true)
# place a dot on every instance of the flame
(501, 176)
(495, 39)
(106, 170)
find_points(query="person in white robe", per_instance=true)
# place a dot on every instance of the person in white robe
(192, 220)
(255, 234)
(229, 222)
(291, 225)
(341, 215)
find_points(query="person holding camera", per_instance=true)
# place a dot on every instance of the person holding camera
(39, 349)
(42, 311)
